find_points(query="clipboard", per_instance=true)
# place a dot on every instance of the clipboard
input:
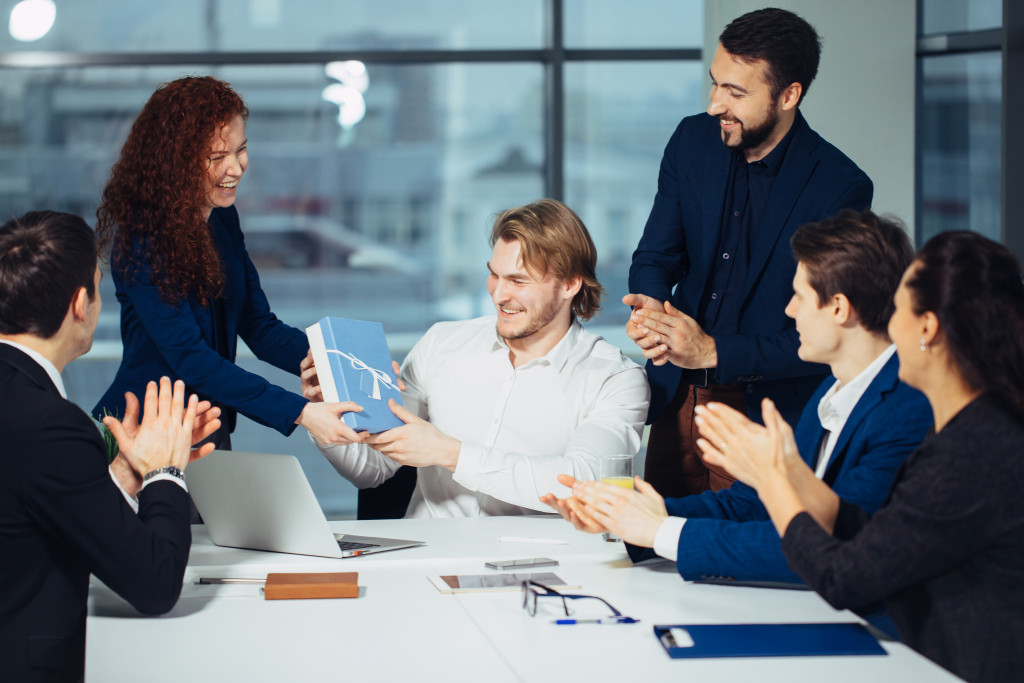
(695, 641)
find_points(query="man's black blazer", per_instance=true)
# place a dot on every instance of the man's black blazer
(677, 254)
(62, 518)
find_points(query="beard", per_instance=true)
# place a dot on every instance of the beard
(755, 136)
(531, 325)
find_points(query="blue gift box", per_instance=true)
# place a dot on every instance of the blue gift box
(353, 364)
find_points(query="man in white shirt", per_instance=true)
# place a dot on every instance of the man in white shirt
(497, 407)
(854, 432)
(61, 514)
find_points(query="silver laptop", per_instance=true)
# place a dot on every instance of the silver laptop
(263, 501)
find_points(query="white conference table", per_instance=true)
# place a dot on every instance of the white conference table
(402, 628)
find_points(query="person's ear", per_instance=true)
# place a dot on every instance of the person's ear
(842, 311)
(571, 287)
(790, 97)
(929, 328)
(79, 304)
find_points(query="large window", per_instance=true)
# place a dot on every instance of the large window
(959, 118)
(369, 193)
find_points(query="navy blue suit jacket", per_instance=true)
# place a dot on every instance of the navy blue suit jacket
(676, 254)
(729, 533)
(191, 342)
(62, 518)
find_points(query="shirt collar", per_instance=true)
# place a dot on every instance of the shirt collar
(43, 362)
(837, 404)
(557, 356)
(773, 160)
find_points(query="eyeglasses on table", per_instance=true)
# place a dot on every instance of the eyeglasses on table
(533, 590)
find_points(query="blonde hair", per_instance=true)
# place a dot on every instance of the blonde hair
(552, 238)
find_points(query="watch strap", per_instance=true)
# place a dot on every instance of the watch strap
(171, 470)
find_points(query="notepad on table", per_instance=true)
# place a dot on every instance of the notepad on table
(305, 585)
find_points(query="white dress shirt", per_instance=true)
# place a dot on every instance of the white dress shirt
(837, 404)
(520, 427)
(51, 371)
(834, 409)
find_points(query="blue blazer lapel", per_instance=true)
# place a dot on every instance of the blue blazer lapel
(885, 381)
(808, 430)
(796, 169)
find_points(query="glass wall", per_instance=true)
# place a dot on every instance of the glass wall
(959, 119)
(383, 136)
(958, 144)
(953, 16)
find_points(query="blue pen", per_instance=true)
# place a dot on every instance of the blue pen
(607, 620)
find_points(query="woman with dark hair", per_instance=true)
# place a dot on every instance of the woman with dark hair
(185, 282)
(946, 550)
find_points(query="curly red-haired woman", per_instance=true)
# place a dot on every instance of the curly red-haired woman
(185, 282)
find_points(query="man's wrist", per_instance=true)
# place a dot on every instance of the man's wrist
(169, 473)
(710, 353)
(129, 480)
(452, 454)
(169, 470)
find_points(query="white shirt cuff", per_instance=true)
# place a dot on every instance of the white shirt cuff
(666, 541)
(468, 468)
(133, 502)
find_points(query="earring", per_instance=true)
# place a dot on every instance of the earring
(924, 346)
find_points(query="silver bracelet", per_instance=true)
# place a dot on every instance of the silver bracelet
(173, 471)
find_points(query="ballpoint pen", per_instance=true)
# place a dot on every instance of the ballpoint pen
(606, 620)
(208, 581)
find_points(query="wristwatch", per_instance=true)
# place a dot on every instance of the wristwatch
(173, 471)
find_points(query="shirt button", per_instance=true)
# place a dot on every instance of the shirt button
(495, 420)
(725, 256)
(735, 213)
(714, 295)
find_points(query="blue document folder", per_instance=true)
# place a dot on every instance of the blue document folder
(767, 640)
(353, 364)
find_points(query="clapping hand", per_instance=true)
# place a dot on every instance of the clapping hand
(651, 346)
(572, 509)
(163, 438)
(746, 450)
(633, 515)
(672, 336)
(206, 423)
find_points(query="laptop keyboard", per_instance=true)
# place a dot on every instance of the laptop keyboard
(356, 545)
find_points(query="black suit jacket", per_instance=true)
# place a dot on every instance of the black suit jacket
(62, 518)
(678, 252)
(945, 551)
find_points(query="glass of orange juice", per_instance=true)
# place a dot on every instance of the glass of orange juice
(616, 470)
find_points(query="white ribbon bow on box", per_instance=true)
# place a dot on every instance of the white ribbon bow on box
(378, 375)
